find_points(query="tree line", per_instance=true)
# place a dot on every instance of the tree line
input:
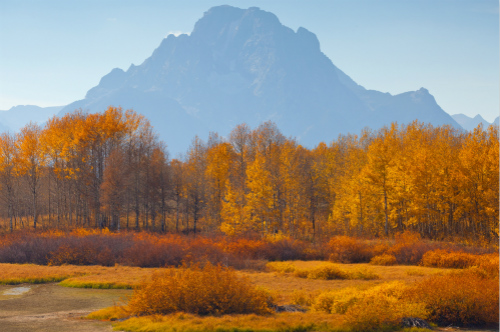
(110, 170)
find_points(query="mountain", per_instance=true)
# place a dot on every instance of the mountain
(244, 66)
(469, 123)
(19, 116)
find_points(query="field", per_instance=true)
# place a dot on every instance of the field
(285, 287)
(175, 283)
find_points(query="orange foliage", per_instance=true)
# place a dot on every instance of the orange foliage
(345, 249)
(467, 298)
(199, 290)
(459, 260)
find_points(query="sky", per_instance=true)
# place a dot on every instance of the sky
(53, 51)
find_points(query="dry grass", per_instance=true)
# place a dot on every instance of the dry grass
(286, 287)
(74, 275)
(125, 277)
(13, 274)
(322, 270)
(181, 322)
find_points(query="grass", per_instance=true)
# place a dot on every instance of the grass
(323, 271)
(284, 287)
(121, 277)
(181, 322)
(14, 274)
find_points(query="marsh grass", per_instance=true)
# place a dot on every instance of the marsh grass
(123, 277)
(14, 274)
(323, 271)
(182, 322)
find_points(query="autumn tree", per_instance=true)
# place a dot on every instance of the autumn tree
(30, 162)
(7, 173)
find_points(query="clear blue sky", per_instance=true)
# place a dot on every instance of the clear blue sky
(53, 51)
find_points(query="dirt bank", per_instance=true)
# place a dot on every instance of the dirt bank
(52, 308)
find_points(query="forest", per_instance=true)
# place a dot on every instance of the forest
(110, 170)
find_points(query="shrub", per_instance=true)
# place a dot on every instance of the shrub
(465, 298)
(203, 291)
(284, 249)
(380, 307)
(244, 248)
(384, 260)
(303, 298)
(337, 302)
(409, 248)
(325, 272)
(381, 312)
(345, 249)
(282, 267)
(363, 274)
(461, 260)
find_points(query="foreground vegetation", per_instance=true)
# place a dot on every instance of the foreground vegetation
(186, 283)
(443, 297)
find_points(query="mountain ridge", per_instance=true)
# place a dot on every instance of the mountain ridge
(243, 66)
(469, 123)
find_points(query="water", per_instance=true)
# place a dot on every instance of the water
(17, 290)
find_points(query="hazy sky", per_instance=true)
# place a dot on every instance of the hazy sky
(52, 52)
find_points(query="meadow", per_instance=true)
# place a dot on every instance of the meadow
(188, 283)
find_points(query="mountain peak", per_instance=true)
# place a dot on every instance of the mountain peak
(219, 21)
(244, 66)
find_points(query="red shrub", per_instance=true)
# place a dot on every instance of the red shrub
(345, 249)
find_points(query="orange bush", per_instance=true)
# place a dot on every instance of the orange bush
(384, 259)
(244, 248)
(460, 260)
(209, 290)
(81, 255)
(345, 249)
(466, 298)
(409, 248)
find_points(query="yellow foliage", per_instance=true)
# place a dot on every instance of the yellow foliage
(379, 307)
(323, 271)
(283, 267)
(384, 259)
(461, 260)
(465, 298)
(181, 322)
(208, 290)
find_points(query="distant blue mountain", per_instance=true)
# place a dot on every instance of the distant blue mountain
(244, 66)
(469, 123)
(19, 116)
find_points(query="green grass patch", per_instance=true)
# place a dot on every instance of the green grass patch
(76, 283)
(32, 280)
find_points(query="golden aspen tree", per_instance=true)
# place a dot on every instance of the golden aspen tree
(379, 168)
(113, 187)
(30, 162)
(233, 218)
(196, 180)
(7, 173)
(477, 176)
(219, 164)
(178, 183)
(259, 208)
(293, 197)
(317, 172)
